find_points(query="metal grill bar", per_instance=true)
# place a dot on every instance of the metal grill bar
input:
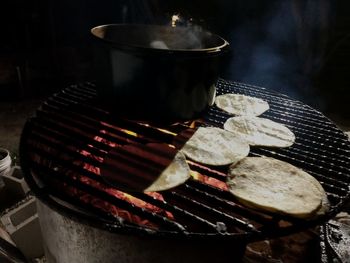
(220, 202)
(147, 132)
(61, 146)
(305, 130)
(175, 209)
(278, 103)
(72, 154)
(306, 162)
(40, 169)
(50, 128)
(72, 129)
(153, 217)
(211, 211)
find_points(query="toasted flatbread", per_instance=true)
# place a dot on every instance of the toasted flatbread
(215, 146)
(241, 105)
(260, 131)
(175, 174)
(325, 205)
(268, 184)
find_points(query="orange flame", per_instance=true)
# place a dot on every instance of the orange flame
(108, 207)
(209, 180)
(132, 133)
(129, 132)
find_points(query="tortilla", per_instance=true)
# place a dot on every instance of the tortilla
(175, 174)
(241, 105)
(268, 184)
(260, 131)
(325, 205)
(215, 146)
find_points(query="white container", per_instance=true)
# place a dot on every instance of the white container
(5, 162)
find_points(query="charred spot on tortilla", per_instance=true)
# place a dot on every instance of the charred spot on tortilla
(241, 105)
(260, 131)
(215, 146)
(271, 185)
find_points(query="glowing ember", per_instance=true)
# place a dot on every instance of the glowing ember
(166, 131)
(134, 134)
(159, 129)
(193, 124)
(209, 180)
(112, 209)
(105, 141)
(116, 211)
(129, 132)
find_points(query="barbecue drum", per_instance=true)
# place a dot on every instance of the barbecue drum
(85, 219)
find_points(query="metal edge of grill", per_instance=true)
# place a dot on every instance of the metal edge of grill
(280, 102)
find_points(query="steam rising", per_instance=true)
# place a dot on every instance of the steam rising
(282, 50)
(158, 44)
(191, 37)
(276, 44)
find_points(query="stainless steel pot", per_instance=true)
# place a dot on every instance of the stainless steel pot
(157, 71)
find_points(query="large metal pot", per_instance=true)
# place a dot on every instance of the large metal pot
(157, 71)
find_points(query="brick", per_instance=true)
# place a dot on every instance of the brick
(22, 224)
(15, 183)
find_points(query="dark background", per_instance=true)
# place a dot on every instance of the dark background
(298, 47)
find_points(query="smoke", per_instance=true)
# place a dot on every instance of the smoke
(282, 48)
(191, 38)
(137, 11)
(276, 44)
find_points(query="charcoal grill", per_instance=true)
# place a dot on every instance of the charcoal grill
(72, 132)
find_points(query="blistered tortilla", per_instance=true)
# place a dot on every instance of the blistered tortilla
(215, 146)
(268, 184)
(260, 131)
(241, 105)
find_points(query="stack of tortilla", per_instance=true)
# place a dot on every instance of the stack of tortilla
(261, 183)
(254, 130)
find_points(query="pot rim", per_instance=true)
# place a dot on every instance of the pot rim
(199, 51)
